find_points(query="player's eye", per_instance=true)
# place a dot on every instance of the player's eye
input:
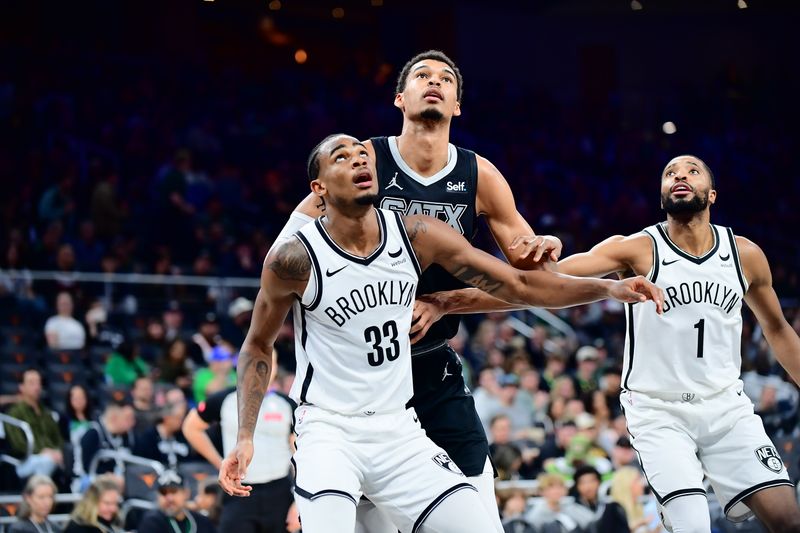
(422, 75)
(694, 171)
(339, 157)
(448, 79)
(670, 174)
(364, 153)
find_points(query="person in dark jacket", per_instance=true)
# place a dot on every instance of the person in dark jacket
(98, 511)
(172, 515)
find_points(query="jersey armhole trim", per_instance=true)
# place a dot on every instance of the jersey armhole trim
(407, 243)
(317, 273)
(737, 261)
(653, 274)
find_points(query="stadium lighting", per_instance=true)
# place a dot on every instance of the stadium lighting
(636, 5)
(741, 4)
(376, 3)
(669, 128)
(300, 56)
(338, 12)
(275, 5)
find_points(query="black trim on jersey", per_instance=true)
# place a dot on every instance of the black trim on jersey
(678, 493)
(736, 261)
(752, 490)
(689, 257)
(631, 342)
(303, 327)
(435, 503)
(654, 277)
(306, 383)
(327, 492)
(317, 272)
(347, 255)
(407, 242)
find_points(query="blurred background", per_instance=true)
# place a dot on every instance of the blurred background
(151, 152)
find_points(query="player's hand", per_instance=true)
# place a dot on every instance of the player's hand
(426, 313)
(234, 468)
(538, 247)
(638, 289)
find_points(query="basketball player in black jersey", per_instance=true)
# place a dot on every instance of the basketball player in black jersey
(420, 172)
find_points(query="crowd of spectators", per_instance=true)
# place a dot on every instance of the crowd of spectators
(121, 169)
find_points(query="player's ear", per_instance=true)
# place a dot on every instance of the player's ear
(457, 110)
(398, 101)
(318, 188)
(712, 196)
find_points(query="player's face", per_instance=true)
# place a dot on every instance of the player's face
(346, 173)
(431, 92)
(686, 187)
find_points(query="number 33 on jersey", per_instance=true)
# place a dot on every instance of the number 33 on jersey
(352, 323)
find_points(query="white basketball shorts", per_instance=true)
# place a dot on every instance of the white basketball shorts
(385, 457)
(681, 437)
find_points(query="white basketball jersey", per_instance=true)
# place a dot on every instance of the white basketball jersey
(352, 324)
(695, 346)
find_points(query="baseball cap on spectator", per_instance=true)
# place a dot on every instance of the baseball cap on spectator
(210, 318)
(587, 353)
(508, 380)
(170, 479)
(238, 306)
(220, 353)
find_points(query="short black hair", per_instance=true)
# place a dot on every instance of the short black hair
(584, 470)
(436, 55)
(705, 167)
(312, 165)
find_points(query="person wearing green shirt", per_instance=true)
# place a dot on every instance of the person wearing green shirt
(124, 366)
(47, 440)
(217, 376)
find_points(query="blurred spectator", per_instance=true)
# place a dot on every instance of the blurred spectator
(144, 407)
(47, 441)
(107, 213)
(611, 385)
(610, 516)
(63, 332)
(240, 311)
(165, 442)
(77, 416)
(217, 376)
(586, 373)
(16, 280)
(113, 431)
(124, 365)
(504, 402)
(204, 341)
(627, 489)
(57, 202)
(500, 438)
(173, 321)
(173, 514)
(153, 345)
(512, 512)
(174, 365)
(623, 454)
(38, 499)
(555, 365)
(88, 251)
(98, 510)
(208, 501)
(551, 508)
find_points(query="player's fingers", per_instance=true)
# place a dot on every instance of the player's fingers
(516, 242)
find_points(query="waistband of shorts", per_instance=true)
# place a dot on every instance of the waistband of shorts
(687, 396)
(359, 414)
(427, 348)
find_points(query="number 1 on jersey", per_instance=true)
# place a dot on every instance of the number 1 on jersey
(700, 327)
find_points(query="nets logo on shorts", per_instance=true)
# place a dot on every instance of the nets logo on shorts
(443, 460)
(769, 457)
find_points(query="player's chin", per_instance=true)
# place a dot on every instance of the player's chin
(367, 198)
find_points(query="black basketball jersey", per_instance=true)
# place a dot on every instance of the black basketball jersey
(448, 195)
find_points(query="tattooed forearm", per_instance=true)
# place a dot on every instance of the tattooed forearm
(252, 382)
(478, 279)
(418, 227)
(291, 262)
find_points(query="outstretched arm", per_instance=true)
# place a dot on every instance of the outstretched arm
(284, 276)
(761, 298)
(435, 242)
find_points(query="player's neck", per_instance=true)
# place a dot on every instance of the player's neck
(424, 145)
(357, 233)
(692, 235)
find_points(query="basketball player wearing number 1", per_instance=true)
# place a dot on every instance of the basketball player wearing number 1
(350, 278)
(682, 395)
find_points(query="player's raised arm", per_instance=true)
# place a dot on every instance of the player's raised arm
(761, 298)
(285, 274)
(435, 242)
